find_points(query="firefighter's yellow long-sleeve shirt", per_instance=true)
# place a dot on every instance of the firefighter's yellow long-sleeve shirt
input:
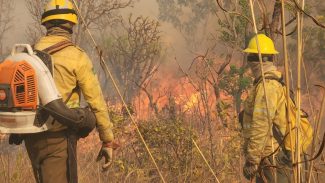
(72, 67)
(258, 140)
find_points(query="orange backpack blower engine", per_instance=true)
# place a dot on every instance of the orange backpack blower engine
(29, 99)
(18, 87)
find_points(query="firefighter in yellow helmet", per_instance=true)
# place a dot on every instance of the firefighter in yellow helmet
(53, 153)
(257, 139)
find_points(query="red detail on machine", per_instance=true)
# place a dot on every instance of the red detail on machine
(3, 95)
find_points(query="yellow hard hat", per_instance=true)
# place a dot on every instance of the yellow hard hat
(265, 43)
(60, 10)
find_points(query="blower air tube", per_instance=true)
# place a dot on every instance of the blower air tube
(82, 120)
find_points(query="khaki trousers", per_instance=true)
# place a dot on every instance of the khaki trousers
(283, 169)
(49, 157)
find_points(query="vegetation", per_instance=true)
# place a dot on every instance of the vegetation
(197, 103)
(5, 22)
(134, 54)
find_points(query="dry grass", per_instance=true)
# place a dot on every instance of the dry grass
(178, 159)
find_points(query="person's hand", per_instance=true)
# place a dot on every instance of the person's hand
(106, 152)
(15, 139)
(250, 170)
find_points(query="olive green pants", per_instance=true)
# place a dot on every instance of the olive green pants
(281, 168)
(49, 157)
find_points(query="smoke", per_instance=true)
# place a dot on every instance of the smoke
(20, 21)
(173, 40)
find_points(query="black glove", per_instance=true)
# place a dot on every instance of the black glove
(16, 139)
(250, 170)
(107, 154)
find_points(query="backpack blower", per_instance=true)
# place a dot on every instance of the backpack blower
(29, 99)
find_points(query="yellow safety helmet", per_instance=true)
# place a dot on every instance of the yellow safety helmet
(265, 43)
(60, 10)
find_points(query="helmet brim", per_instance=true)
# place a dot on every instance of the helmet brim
(271, 52)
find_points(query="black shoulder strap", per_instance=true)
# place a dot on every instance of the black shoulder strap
(76, 89)
(46, 59)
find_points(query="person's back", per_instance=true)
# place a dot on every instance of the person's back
(263, 113)
(72, 73)
(255, 106)
(53, 153)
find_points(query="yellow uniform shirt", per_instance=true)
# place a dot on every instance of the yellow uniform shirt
(72, 68)
(258, 140)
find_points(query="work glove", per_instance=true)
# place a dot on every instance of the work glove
(250, 170)
(106, 152)
(15, 139)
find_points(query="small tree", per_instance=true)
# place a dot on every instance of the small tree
(234, 83)
(5, 21)
(135, 54)
(97, 15)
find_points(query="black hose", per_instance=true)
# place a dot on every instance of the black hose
(79, 119)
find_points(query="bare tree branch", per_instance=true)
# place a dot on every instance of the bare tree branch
(5, 20)
(97, 14)
(135, 54)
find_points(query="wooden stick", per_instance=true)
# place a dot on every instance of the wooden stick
(298, 93)
(270, 132)
(287, 80)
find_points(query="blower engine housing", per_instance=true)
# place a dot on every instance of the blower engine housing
(25, 84)
(18, 86)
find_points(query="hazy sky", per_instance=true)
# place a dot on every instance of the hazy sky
(20, 22)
